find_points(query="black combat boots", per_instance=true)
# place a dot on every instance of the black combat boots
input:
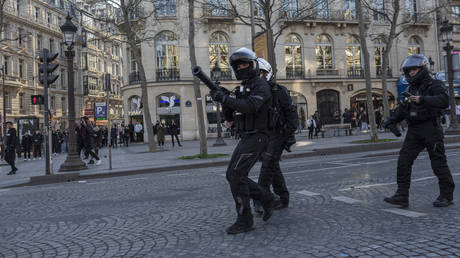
(398, 199)
(268, 205)
(281, 204)
(244, 223)
(442, 201)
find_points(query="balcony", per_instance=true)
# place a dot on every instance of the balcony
(418, 19)
(329, 72)
(379, 72)
(168, 74)
(216, 13)
(355, 73)
(225, 75)
(134, 78)
(337, 16)
(294, 73)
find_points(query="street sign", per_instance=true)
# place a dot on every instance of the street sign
(101, 111)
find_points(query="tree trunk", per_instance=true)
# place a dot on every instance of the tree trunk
(145, 98)
(196, 82)
(384, 71)
(367, 71)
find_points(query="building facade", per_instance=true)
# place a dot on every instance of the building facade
(28, 27)
(318, 58)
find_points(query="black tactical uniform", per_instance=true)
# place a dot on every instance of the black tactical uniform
(248, 108)
(424, 131)
(284, 122)
(37, 140)
(10, 152)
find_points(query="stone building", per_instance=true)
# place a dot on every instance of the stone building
(28, 27)
(318, 57)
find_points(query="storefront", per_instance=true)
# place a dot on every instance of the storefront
(169, 109)
(135, 110)
(358, 100)
(300, 102)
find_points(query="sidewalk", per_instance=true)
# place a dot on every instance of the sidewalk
(136, 158)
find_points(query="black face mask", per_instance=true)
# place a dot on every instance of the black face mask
(418, 78)
(245, 74)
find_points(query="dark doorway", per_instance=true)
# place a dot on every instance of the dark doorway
(327, 103)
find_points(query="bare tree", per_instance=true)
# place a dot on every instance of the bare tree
(367, 70)
(397, 24)
(130, 25)
(272, 17)
(196, 82)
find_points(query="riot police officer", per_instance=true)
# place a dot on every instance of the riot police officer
(284, 121)
(426, 99)
(248, 107)
(10, 147)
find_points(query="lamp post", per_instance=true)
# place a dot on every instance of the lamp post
(216, 74)
(73, 161)
(446, 33)
(2, 72)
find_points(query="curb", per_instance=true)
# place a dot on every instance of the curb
(39, 180)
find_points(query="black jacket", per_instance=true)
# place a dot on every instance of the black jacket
(433, 100)
(37, 138)
(249, 105)
(289, 118)
(11, 139)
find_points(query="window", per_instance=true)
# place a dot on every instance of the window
(323, 52)
(353, 53)
(59, 21)
(8, 101)
(37, 14)
(20, 35)
(51, 46)
(49, 18)
(21, 69)
(92, 62)
(53, 102)
(379, 10)
(5, 64)
(166, 50)
(21, 101)
(91, 39)
(105, 66)
(350, 9)
(218, 50)
(93, 83)
(165, 7)
(293, 56)
(117, 69)
(379, 48)
(258, 9)
(322, 9)
(133, 63)
(5, 32)
(291, 8)
(414, 45)
(39, 42)
(411, 7)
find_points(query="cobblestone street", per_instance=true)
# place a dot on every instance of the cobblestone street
(336, 210)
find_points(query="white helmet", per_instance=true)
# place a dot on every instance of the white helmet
(266, 67)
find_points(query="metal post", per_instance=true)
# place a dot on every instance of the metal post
(109, 128)
(219, 140)
(454, 127)
(4, 103)
(47, 123)
(73, 161)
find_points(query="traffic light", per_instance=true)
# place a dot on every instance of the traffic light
(46, 67)
(37, 100)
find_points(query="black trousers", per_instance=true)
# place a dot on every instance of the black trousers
(37, 150)
(27, 150)
(430, 136)
(172, 139)
(270, 173)
(10, 156)
(245, 155)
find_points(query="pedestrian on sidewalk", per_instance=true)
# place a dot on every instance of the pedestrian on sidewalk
(89, 141)
(311, 124)
(10, 145)
(114, 136)
(37, 144)
(138, 129)
(65, 140)
(174, 131)
(161, 135)
(126, 135)
(27, 145)
(131, 131)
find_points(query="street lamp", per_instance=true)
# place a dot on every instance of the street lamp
(446, 34)
(2, 72)
(216, 73)
(73, 161)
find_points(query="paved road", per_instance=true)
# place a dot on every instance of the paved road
(336, 211)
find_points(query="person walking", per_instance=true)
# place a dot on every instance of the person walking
(311, 125)
(126, 135)
(37, 139)
(161, 135)
(89, 141)
(174, 131)
(428, 97)
(27, 145)
(10, 147)
(114, 136)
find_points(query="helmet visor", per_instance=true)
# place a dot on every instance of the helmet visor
(414, 61)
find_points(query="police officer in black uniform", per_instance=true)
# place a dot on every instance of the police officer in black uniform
(426, 100)
(285, 119)
(248, 107)
(10, 147)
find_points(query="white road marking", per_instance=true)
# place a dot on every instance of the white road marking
(82, 181)
(403, 212)
(308, 193)
(184, 174)
(137, 178)
(393, 183)
(96, 183)
(345, 199)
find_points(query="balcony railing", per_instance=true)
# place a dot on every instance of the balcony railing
(355, 73)
(294, 73)
(217, 11)
(332, 72)
(314, 15)
(168, 74)
(419, 18)
(379, 72)
(134, 78)
(225, 75)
